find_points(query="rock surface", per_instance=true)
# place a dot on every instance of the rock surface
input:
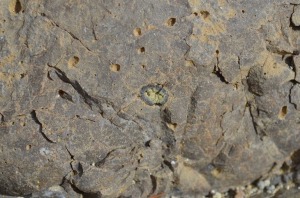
(296, 16)
(224, 111)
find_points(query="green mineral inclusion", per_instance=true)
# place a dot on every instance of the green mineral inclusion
(154, 95)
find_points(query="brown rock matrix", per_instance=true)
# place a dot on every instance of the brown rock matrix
(148, 98)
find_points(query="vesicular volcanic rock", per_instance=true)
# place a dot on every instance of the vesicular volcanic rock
(138, 98)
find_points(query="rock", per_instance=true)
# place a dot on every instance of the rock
(295, 96)
(287, 177)
(271, 189)
(292, 193)
(239, 193)
(277, 180)
(296, 16)
(53, 191)
(297, 177)
(146, 98)
(217, 195)
(296, 60)
(261, 185)
(190, 180)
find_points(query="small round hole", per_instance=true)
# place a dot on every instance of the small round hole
(141, 50)
(115, 67)
(15, 6)
(282, 113)
(171, 21)
(204, 14)
(75, 172)
(18, 6)
(137, 32)
(73, 61)
(243, 11)
(28, 147)
(61, 92)
(147, 144)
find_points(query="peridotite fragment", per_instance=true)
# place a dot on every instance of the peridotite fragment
(154, 95)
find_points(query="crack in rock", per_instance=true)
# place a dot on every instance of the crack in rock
(65, 30)
(260, 133)
(90, 101)
(34, 117)
(101, 105)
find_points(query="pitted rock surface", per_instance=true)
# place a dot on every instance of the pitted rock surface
(72, 113)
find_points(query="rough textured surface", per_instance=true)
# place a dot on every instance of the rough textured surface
(72, 113)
